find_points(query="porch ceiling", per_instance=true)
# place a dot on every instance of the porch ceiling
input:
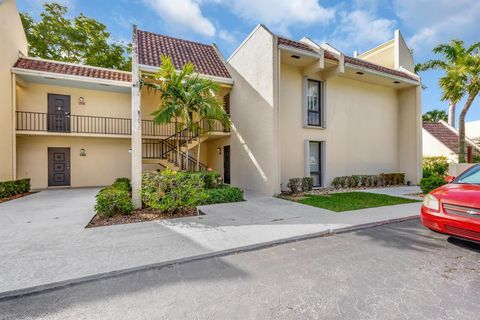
(73, 82)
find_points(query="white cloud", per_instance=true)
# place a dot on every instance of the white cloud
(183, 14)
(361, 30)
(227, 36)
(280, 15)
(434, 22)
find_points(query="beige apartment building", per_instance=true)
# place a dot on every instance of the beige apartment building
(298, 109)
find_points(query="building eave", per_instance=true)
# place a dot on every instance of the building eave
(153, 70)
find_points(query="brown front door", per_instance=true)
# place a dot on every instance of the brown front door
(58, 117)
(226, 164)
(58, 167)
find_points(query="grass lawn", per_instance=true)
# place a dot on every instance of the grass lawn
(345, 201)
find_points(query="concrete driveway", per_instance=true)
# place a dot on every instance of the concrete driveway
(397, 271)
(43, 242)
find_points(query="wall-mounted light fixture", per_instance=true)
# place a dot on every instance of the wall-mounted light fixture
(130, 151)
(219, 151)
(81, 101)
(83, 152)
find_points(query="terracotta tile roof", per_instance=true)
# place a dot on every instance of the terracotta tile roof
(295, 44)
(443, 134)
(152, 46)
(72, 69)
(373, 66)
(351, 60)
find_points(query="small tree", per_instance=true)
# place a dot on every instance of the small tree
(78, 40)
(184, 94)
(435, 116)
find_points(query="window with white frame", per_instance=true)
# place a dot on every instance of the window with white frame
(314, 98)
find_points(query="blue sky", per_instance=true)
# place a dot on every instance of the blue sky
(347, 25)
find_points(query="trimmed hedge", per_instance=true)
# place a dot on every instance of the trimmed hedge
(14, 187)
(112, 200)
(300, 184)
(383, 179)
(224, 195)
(431, 183)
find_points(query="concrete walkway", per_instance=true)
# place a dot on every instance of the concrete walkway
(43, 243)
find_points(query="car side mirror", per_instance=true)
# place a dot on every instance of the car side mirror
(449, 179)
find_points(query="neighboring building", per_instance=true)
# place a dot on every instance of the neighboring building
(472, 130)
(441, 139)
(298, 109)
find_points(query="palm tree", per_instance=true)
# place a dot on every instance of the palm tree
(462, 67)
(452, 91)
(434, 115)
(185, 98)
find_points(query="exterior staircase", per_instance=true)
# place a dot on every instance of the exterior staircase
(164, 152)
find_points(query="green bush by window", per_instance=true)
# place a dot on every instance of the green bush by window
(383, 179)
(14, 187)
(435, 166)
(430, 183)
(122, 184)
(171, 191)
(223, 195)
(112, 200)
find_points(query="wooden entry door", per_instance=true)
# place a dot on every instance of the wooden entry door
(226, 164)
(58, 167)
(58, 117)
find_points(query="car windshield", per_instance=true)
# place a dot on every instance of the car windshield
(471, 176)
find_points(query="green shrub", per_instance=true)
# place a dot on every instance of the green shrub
(111, 200)
(307, 184)
(171, 191)
(435, 166)
(211, 179)
(122, 184)
(389, 179)
(393, 179)
(224, 195)
(430, 183)
(295, 185)
(14, 187)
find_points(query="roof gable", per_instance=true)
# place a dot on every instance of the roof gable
(152, 46)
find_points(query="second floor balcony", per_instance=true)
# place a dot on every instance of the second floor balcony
(38, 122)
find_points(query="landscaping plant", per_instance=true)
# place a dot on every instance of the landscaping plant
(111, 200)
(122, 184)
(172, 191)
(435, 166)
(429, 184)
(14, 187)
(223, 195)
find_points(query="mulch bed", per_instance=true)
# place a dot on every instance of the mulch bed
(15, 197)
(141, 215)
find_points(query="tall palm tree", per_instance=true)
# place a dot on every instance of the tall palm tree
(188, 99)
(462, 73)
(452, 91)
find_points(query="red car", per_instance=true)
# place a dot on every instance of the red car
(455, 207)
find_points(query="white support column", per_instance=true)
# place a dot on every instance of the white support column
(136, 126)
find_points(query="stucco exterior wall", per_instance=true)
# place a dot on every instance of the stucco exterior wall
(410, 133)
(106, 159)
(384, 55)
(215, 160)
(434, 148)
(254, 163)
(34, 98)
(12, 42)
(361, 132)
